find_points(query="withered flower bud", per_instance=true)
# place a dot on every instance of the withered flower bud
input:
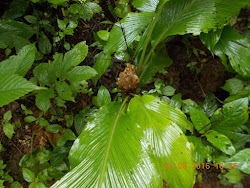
(128, 81)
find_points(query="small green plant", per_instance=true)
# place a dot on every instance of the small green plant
(8, 128)
(63, 77)
(4, 175)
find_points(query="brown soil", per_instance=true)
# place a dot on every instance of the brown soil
(189, 83)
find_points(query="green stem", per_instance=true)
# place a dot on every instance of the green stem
(148, 38)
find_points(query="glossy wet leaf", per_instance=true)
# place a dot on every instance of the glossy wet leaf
(102, 62)
(227, 9)
(236, 47)
(64, 91)
(98, 156)
(8, 130)
(21, 63)
(208, 106)
(146, 5)
(80, 73)
(103, 96)
(28, 175)
(13, 87)
(44, 44)
(183, 16)
(242, 159)
(233, 115)
(167, 141)
(159, 61)
(12, 27)
(199, 151)
(54, 128)
(42, 74)
(239, 136)
(199, 119)
(71, 58)
(43, 99)
(130, 27)
(221, 142)
(233, 86)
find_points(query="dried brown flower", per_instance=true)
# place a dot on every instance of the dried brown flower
(128, 81)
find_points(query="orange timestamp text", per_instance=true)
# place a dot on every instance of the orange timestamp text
(199, 166)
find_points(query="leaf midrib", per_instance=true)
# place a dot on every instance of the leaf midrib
(109, 145)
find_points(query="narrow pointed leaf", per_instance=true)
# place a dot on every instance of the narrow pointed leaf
(13, 87)
(199, 119)
(103, 96)
(80, 73)
(21, 63)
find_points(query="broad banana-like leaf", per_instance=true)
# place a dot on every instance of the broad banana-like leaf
(225, 9)
(129, 27)
(183, 16)
(211, 38)
(145, 5)
(12, 87)
(109, 154)
(170, 146)
(236, 47)
(177, 17)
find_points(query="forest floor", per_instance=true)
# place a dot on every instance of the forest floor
(191, 85)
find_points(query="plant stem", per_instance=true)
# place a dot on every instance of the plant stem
(148, 38)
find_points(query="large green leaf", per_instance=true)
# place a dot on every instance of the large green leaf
(146, 5)
(15, 28)
(159, 61)
(233, 115)
(169, 144)
(16, 9)
(221, 142)
(21, 63)
(103, 96)
(238, 136)
(129, 27)
(71, 58)
(102, 62)
(11, 30)
(80, 73)
(108, 154)
(242, 160)
(184, 16)
(236, 47)
(13, 87)
(176, 17)
(199, 119)
(43, 99)
(227, 9)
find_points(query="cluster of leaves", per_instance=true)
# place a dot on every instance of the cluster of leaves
(14, 33)
(127, 141)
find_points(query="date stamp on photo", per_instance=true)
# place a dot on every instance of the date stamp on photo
(198, 166)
